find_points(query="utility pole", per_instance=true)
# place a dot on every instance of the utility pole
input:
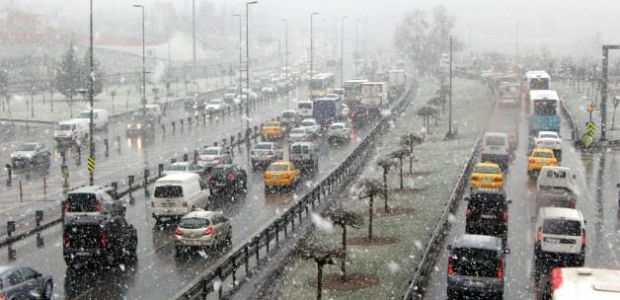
(194, 39)
(312, 43)
(247, 63)
(91, 168)
(286, 60)
(342, 50)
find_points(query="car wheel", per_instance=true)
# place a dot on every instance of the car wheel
(178, 250)
(228, 241)
(48, 290)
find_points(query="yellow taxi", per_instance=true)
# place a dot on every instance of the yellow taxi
(539, 158)
(281, 174)
(486, 175)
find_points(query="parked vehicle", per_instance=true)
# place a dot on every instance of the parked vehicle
(264, 153)
(202, 229)
(21, 282)
(227, 179)
(100, 118)
(106, 240)
(476, 267)
(31, 155)
(175, 195)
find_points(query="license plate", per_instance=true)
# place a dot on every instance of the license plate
(167, 204)
(487, 179)
(276, 176)
(192, 242)
(495, 148)
(487, 216)
(476, 283)
(82, 253)
(552, 240)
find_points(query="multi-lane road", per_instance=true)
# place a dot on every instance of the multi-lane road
(597, 175)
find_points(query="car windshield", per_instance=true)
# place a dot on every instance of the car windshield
(562, 227)
(486, 170)
(84, 115)
(494, 141)
(81, 202)
(548, 136)
(193, 223)
(288, 114)
(210, 152)
(221, 170)
(298, 131)
(307, 123)
(474, 262)
(336, 127)
(305, 105)
(542, 154)
(27, 147)
(263, 147)
(65, 126)
(277, 168)
(168, 191)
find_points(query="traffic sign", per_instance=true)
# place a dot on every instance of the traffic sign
(590, 128)
(590, 108)
(65, 171)
(91, 164)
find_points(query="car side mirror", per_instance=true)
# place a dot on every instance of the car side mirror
(574, 176)
(509, 201)
(449, 247)
(585, 221)
(466, 198)
(617, 184)
(507, 251)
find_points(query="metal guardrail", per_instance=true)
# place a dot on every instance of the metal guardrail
(227, 268)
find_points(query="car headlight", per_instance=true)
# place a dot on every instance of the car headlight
(139, 126)
(128, 126)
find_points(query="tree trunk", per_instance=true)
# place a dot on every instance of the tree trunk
(400, 167)
(370, 217)
(385, 190)
(344, 251)
(411, 164)
(319, 281)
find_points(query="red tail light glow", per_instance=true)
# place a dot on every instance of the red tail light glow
(103, 239)
(2, 295)
(468, 213)
(583, 237)
(216, 159)
(98, 205)
(185, 204)
(532, 161)
(64, 239)
(231, 177)
(500, 268)
(505, 216)
(450, 269)
(286, 176)
(177, 230)
(474, 178)
(555, 278)
(539, 235)
(209, 230)
(497, 179)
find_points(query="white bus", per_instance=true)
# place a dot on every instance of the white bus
(537, 80)
(305, 108)
(320, 85)
(581, 283)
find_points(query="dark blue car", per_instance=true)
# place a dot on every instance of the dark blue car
(17, 282)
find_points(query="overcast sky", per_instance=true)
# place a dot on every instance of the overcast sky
(494, 24)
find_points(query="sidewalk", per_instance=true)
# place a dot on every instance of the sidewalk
(577, 97)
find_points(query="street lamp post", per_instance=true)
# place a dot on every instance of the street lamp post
(194, 39)
(516, 42)
(286, 59)
(312, 43)
(342, 50)
(240, 55)
(357, 51)
(143, 63)
(90, 98)
(247, 63)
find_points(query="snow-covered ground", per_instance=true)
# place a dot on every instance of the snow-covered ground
(436, 168)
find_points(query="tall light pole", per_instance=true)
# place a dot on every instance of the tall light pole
(286, 58)
(342, 50)
(240, 54)
(143, 64)
(194, 39)
(516, 42)
(312, 43)
(91, 83)
(357, 49)
(247, 63)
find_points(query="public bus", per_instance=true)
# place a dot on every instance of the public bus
(353, 91)
(543, 106)
(537, 80)
(580, 283)
(320, 85)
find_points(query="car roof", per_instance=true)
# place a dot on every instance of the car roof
(213, 147)
(567, 169)
(547, 132)
(339, 123)
(561, 212)
(478, 241)
(281, 162)
(309, 119)
(479, 191)
(542, 150)
(496, 134)
(199, 213)
(182, 176)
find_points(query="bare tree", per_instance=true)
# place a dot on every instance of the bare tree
(386, 163)
(322, 256)
(410, 140)
(426, 112)
(370, 189)
(343, 219)
(400, 155)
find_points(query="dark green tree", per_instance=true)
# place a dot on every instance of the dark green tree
(68, 74)
(343, 219)
(322, 256)
(370, 189)
(400, 155)
(386, 163)
(98, 75)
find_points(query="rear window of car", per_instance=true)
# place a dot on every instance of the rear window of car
(65, 127)
(488, 204)
(175, 167)
(562, 227)
(548, 136)
(193, 223)
(288, 114)
(336, 127)
(298, 131)
(487, 170)
(219, 170)
(305, 105)
(263, 147)
(495, 141)
(277, 168)
(210, 152)
(542, 154)
(307, 123)
(81, 202)
(474, 262)
(168, 191)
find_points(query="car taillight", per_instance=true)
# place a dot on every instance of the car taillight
(468, 213)
(554, 162)
(539, 235)
(185, 204)
(177, 230)
(103, 240)
(532, 161)
(500, 268)
(555, 279)
(231, 177)
(505, 216)
(209, 230)
(583, 237)
(474, 178)
(286, 176)
(497, 179)
(64, 239)
(2, 295)
(450, 269)
(98, 205)
(270, 153)
(216, 159)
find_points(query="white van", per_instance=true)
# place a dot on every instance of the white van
(555, 187)
(495, 149)
(71, 131)
(152, 110)
(100, 118)
(176, 194)
(305, 108)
